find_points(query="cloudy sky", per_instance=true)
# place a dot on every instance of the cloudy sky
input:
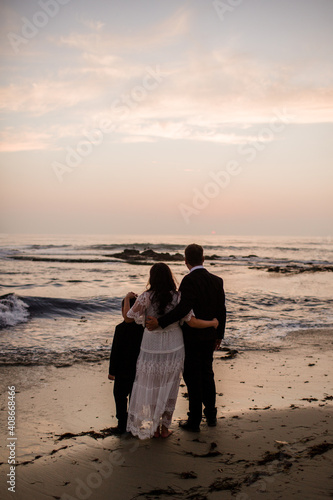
(174, 117)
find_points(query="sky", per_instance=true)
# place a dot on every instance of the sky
(175, 117)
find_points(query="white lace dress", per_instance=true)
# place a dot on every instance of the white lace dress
(158, 370)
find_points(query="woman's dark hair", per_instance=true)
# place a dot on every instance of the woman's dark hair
(162, 284)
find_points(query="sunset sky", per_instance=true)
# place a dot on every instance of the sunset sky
(174, 117)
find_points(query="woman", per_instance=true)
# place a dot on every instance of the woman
(161, 357)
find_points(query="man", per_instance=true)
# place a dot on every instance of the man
(203, 292)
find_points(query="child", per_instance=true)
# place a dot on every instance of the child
(124, 353)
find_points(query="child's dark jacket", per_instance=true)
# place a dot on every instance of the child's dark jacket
(125, 350)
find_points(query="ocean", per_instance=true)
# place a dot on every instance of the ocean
(60, 296)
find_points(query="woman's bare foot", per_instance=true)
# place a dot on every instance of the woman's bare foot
(165, 433)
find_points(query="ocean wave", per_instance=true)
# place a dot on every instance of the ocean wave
(46, 247)
(80, 260)
(137, 246)
(15, 309)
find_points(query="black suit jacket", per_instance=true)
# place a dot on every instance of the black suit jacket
(203, 292)
(125, 350)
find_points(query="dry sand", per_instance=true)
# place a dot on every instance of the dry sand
(273, 438)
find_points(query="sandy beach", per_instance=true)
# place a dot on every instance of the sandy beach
(273, 438)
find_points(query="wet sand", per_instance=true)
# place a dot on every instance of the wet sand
(273, 438)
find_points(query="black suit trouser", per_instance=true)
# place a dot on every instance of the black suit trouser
(199, 378)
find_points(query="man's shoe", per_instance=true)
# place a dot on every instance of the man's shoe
(211, 417)
(187, 426)
(211, 422)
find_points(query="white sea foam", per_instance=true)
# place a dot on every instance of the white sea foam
(12, 311)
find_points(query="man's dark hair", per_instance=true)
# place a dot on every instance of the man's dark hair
(194, 254)
(132, 302)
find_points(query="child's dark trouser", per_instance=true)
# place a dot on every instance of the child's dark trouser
(121, 390)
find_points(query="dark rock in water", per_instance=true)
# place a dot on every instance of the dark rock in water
(149, 253)
(128, 253)
(131, 251)
(134, 256)
(275, 269)
(212, 257)
(162, 256)
(295, 268)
